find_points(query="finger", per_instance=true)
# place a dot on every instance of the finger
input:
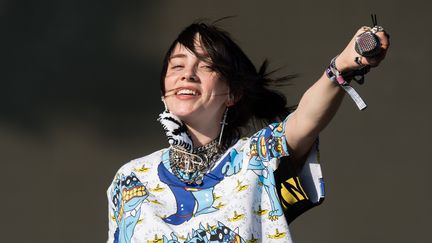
(375, 61)
(384, 39)
(362, 30)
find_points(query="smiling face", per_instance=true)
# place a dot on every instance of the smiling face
(193, 90)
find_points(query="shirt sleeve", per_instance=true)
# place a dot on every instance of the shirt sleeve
(299, 192)
(113, 196)
(269, 144)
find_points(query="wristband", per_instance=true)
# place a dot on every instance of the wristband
(343, 80)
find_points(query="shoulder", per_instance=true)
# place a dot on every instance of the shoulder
(136, 168)
(241, 144)
(142, 163)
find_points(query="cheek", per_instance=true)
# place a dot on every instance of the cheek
(168, 83)
(215, 83)
(221, 87)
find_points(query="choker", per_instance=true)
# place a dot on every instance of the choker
(190, 167)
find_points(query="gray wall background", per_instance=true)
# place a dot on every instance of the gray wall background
(79, 97)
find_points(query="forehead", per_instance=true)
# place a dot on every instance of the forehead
(180, 51)
(196, 50)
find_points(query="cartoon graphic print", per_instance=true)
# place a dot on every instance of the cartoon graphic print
(252, 239)
(277, 235)
(128, 193)
(155, 240)
(260, 211)
(193, 200)
(225, 234)
(174, 239)
(266, 145)
(218, 233)
(198, 236)
(236, 217)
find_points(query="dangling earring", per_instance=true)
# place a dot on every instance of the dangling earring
(163, 101)
(223, 123)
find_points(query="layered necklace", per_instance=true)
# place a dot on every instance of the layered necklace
(187, 163)
(190, 167)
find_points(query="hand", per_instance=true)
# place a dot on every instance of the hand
(345, 62)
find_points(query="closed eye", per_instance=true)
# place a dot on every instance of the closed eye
(177, 66)
(207, 67)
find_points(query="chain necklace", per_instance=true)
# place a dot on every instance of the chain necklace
(190, 167)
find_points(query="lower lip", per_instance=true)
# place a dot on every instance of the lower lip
(186, 97)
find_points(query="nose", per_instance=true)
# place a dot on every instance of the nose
(189, 75)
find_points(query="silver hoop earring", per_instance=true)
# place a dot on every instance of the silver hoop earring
(223, 123)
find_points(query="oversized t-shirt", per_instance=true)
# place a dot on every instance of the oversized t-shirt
(239, 199)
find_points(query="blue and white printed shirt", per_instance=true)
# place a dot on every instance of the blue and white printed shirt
(239, 200)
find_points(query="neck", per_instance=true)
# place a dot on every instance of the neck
(203, 133)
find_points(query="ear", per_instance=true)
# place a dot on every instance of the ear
(230, 101)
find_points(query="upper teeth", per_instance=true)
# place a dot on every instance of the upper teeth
(186, 91)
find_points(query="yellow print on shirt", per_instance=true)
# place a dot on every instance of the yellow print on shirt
(236, 217)
(292, 192)
(277, 235)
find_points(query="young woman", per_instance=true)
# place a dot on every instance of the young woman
(212, 185)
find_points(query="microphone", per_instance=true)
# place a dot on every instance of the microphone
(367, 44)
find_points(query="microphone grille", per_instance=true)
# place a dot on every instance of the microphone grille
(367, 44)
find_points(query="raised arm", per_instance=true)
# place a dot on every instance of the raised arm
(322, 100)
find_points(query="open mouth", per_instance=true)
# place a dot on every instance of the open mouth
(187, 92)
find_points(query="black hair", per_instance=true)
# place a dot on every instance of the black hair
(250, 88)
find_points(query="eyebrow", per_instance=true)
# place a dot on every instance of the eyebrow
(178, 56)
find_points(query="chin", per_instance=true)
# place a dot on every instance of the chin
(182, 114)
